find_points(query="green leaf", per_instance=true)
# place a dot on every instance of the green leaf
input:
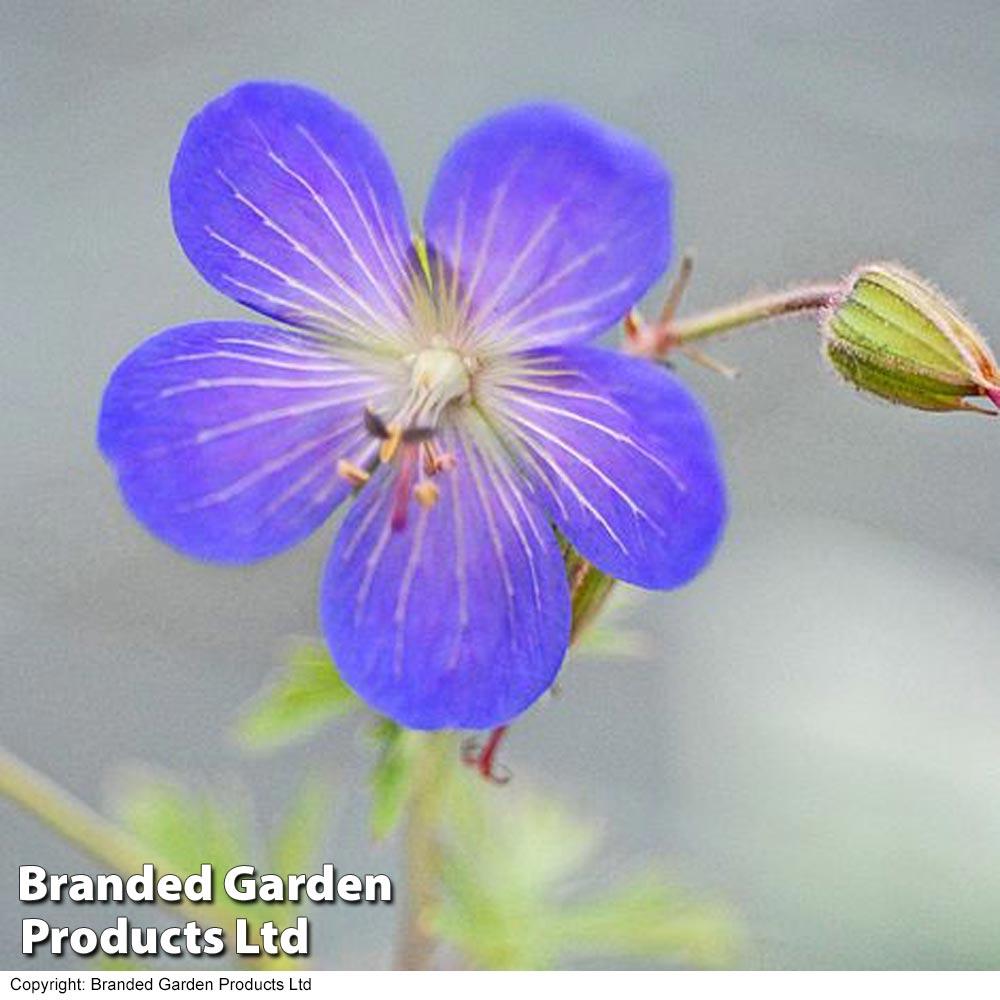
(514, 867)
(184, 827)
(295, 844)
(650, 917)
(603, 640)
(392, 777)
(306, 694)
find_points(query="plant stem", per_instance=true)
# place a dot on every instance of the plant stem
(68, 816)
(423, 850)
(655, 340)
(92, 833)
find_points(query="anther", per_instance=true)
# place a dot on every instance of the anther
(426, 494)
(388, 447)
(354, 474)
(375, 425)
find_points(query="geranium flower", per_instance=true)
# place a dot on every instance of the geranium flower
(447, 380)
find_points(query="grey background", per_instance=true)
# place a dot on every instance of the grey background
(814, 734)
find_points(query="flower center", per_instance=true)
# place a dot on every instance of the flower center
(439, 375)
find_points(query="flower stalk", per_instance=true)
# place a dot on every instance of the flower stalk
(656, 340)
(423, 850)
(885, 330)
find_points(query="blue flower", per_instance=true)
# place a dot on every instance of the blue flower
(448, 381)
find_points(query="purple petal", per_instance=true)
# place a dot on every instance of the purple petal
(623, 455)
(460, 620)
(285, 201)
(555, 224)
(225, 436)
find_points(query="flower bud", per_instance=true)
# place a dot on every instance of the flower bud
(890, 333)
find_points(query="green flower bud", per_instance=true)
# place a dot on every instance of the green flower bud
(890, 333)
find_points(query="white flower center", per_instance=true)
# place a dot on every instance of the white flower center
(439, 375)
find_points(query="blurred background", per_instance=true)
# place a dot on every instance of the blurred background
(812, 729)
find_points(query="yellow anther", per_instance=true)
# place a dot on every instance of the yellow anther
(388, 447)
(354, 474)
(426, 494)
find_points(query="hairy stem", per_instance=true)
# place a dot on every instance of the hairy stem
(423, 850)
(655, 340)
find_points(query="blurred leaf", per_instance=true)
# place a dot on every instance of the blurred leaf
(610, 634)
(512, 871)
(608, 640)
(307, 693)
(651, 918)
(295, 844)
(392, 777)
(514, 845)
(185, 827)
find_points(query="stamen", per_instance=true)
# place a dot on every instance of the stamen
(354, 474)
(388, 447)
(374, 424)
(414, 435)
(436, 461)
(426, 494)
(430, 459)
